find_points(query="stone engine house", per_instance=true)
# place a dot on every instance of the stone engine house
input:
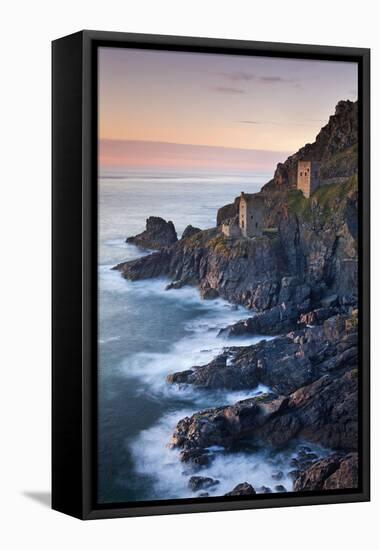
(251, 215)
(308, 177)
(249, 222)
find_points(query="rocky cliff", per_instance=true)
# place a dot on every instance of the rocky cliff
(335, 147)
(306, 258)
(301, 280)
(309, 258)
(157, 235)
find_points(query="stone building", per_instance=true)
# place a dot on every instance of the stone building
(251, 214)
(308, 177)
(230, 228)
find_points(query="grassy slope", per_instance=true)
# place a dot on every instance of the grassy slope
(323, 203)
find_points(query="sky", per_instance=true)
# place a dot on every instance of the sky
(182, 110)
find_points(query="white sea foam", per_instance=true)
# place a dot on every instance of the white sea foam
(170, 477)
(199, 346)
(109, 339)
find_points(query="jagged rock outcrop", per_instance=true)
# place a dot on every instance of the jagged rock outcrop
(316, 244)
(324, 412)
(196, 483)
(158, 234)
(335, 148)
(314, 240)
(227, 212)
(279, 320)
(334, 472)
(242, 489)
(189, 231)
(247, 271)
(285, 363)
(147, 267)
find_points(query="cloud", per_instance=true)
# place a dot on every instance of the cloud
(242, 76)
(239, 76)
(279, 80)
(228, 90)
(271, 79)
(272, 123)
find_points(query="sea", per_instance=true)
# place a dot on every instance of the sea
(146, 332)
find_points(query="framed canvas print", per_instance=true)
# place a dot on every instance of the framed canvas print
(210, 274)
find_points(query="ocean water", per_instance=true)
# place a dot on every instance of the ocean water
(146, 332)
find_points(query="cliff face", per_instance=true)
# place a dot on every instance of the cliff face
(157, 235)
(335, 148)
(300, 277)
(308, 257)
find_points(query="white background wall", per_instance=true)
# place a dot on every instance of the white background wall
(26, 31)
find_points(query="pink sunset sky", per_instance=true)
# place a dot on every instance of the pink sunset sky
(178, 110)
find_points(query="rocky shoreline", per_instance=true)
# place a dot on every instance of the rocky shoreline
(299, 279)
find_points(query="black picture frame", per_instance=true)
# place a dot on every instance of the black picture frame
(74, 272)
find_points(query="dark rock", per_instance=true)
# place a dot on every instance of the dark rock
(334, 472)
(224, 425)
(294, 474)
(199, 482)
(242, 489)
(209, 293)
(264, 489)
(158, 234)
(280, 489)
(302, 454)
(285, 363)
(175, 285)
(305, 449)
(347, 475)
(337, 137)
(277, 475)
(277, 320)
(330, 301)
(292, 290)
(311, 456)
(328, 411)
(195, 457)
(189, 231)
(204, 495)
(317, 316)
(147, 267)
(228, 211)
(325, 412)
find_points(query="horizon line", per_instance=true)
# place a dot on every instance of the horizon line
(115, 140)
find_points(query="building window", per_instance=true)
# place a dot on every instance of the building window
(256, 225)
(301, 173)
(243, 224)
(251, 217)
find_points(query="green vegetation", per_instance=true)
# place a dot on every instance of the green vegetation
(323, 203)
(270, 231)
(219, 245)
(352, 321)
(229, 247)
(354, 373)
(342, 163)
(297, 203)
(326, 195)
(261, 398)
